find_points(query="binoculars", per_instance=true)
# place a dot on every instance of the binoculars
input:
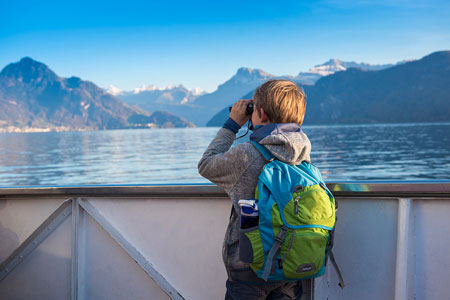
(248, 110)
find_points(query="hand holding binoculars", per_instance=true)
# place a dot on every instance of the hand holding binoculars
(248, 110)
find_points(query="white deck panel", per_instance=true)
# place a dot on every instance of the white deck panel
(163, 244)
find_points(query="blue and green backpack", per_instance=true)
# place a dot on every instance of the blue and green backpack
(296, 223)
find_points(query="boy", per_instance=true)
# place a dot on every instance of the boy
(279, 108)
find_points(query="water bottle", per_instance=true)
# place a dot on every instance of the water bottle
(249, 213)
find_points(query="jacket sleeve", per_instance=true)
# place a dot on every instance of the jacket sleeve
(222, 165)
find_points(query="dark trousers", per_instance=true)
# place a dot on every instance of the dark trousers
(272, 291)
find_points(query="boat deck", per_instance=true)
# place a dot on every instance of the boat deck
(164, 242)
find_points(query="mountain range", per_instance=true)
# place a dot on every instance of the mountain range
(33, 97)
(153, 98)
(414, 91)
(177, 100)
(200, 107)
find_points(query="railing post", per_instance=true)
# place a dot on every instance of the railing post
(78, 246)
(75, 221)
(401, 265)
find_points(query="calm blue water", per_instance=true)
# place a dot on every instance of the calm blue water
(393, 152)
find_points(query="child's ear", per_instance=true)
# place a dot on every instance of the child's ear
(264, 116)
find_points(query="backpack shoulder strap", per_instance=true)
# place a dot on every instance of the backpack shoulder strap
(266, 153)
(336, 268)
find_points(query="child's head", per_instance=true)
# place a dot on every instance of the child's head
(281, 100)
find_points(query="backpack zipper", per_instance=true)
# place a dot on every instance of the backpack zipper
(296, 204)
(298, 188)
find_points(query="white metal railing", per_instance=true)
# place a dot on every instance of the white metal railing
(164, 242)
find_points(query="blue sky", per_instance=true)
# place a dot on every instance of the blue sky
(203, 43)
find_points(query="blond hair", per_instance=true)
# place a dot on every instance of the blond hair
(281, 100)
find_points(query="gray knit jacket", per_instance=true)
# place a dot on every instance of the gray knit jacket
(236, 170)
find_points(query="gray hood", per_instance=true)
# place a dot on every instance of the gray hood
(287, 142)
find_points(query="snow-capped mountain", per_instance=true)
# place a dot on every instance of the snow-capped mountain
(240, 84)
(245, 80)
(174, 99)
(335, 65)
(248, 76)
(149, 95)
(113, 90)
(170, 87)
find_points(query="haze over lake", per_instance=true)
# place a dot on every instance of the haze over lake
(162, 156)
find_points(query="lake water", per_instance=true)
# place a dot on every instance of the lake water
(160, 156)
